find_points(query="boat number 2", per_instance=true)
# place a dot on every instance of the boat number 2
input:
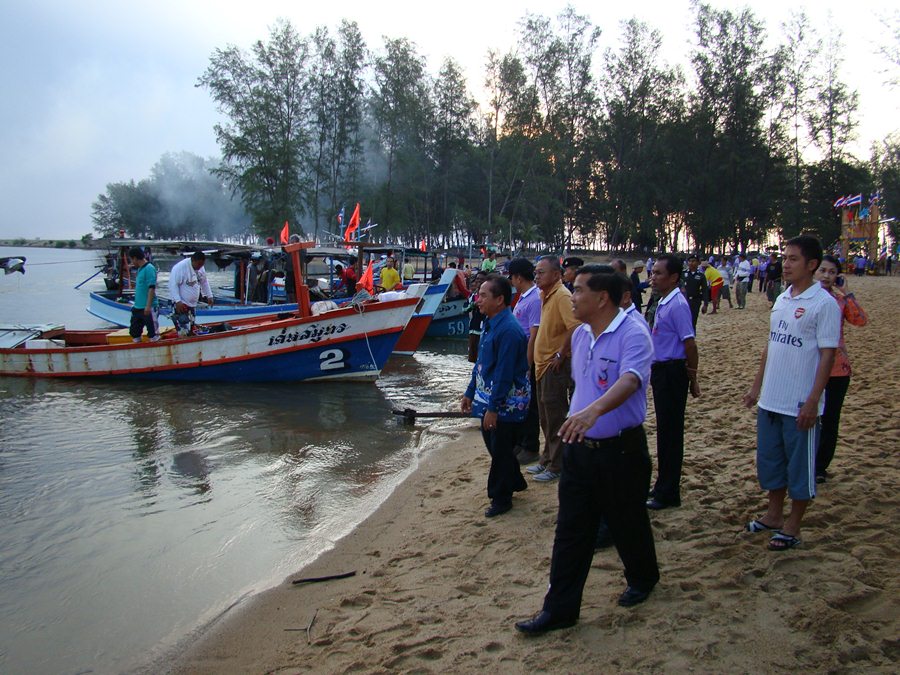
(332, 359)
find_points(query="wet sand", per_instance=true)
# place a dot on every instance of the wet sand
(438, 587)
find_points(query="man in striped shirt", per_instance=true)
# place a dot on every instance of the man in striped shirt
(804, 330)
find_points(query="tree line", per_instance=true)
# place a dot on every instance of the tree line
(573, 148)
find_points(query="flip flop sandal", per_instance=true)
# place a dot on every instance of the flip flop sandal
(782, 542)
(759, 526)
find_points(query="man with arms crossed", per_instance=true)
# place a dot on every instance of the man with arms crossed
(186, 281)
(674, 371)
(606, 466)
(552, 348)
(804, 331)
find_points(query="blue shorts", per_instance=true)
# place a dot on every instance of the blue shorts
(786, 455)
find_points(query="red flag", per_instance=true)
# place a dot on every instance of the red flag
(367, 281)
(422, 246)
(285, 233)
(353, 225)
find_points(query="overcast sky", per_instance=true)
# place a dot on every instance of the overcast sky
(95, 91)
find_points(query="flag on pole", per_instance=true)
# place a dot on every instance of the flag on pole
(340, 217)
(285, 233)
(422, 246)
(840, 202)
(353, 225)
(367, 280)
(854, 201)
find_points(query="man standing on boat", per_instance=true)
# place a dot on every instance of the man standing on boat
(186, 281)
(499, 391)
(145, 311)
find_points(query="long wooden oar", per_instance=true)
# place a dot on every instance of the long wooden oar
(410, 415)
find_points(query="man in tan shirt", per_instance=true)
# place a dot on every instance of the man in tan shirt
(552, 367)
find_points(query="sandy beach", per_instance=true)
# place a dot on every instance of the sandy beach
(438, 587)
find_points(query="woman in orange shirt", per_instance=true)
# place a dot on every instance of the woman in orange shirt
(829, 276)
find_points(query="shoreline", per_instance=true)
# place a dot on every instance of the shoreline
(438, 586)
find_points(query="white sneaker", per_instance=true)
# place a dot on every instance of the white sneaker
(546, 476)
(155, 338)
(536, 468)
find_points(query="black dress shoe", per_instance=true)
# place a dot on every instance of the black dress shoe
(496, 510)
(543, 622)
(632, 597)
(521, 487)
(657, 505)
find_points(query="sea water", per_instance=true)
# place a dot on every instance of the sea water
(132, 513)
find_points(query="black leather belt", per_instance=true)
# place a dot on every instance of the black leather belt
(612, 442)
(668, 363)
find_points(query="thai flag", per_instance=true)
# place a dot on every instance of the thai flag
(854, 201)
(840, 202)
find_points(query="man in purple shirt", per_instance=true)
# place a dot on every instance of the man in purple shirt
(674, 372)
(527, 311)
(606, 465)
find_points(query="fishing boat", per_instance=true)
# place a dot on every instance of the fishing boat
(114, 304)
(315, 343)
(450, 320)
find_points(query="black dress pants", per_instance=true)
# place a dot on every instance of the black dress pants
(607, 479)
(694, 304)
(505, 476)
(835, 391)
(530, 434)
(670, 383)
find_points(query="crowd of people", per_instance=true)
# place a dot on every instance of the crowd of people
(564, 357)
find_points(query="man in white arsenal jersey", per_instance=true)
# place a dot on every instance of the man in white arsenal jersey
(804, 330)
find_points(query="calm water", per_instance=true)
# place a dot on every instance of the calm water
(132, 513)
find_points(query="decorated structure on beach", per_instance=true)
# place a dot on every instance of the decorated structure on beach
(859, 224)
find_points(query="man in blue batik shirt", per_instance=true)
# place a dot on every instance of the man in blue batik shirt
(499, 391)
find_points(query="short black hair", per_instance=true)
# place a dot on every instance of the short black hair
(500, 287)
(451, 264)
(611, 282)
(597, 268)
(810, 247)
(522, 267)
(673, 263)
(198, 255)
(136, 252)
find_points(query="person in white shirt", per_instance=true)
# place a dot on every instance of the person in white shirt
(742, 274)
(186, 282)
(804, 331)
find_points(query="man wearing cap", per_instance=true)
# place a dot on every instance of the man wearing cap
(570, 267)
(674, 371)
(552, 349)
(606, 466)
(528, 313)
(695, 288)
